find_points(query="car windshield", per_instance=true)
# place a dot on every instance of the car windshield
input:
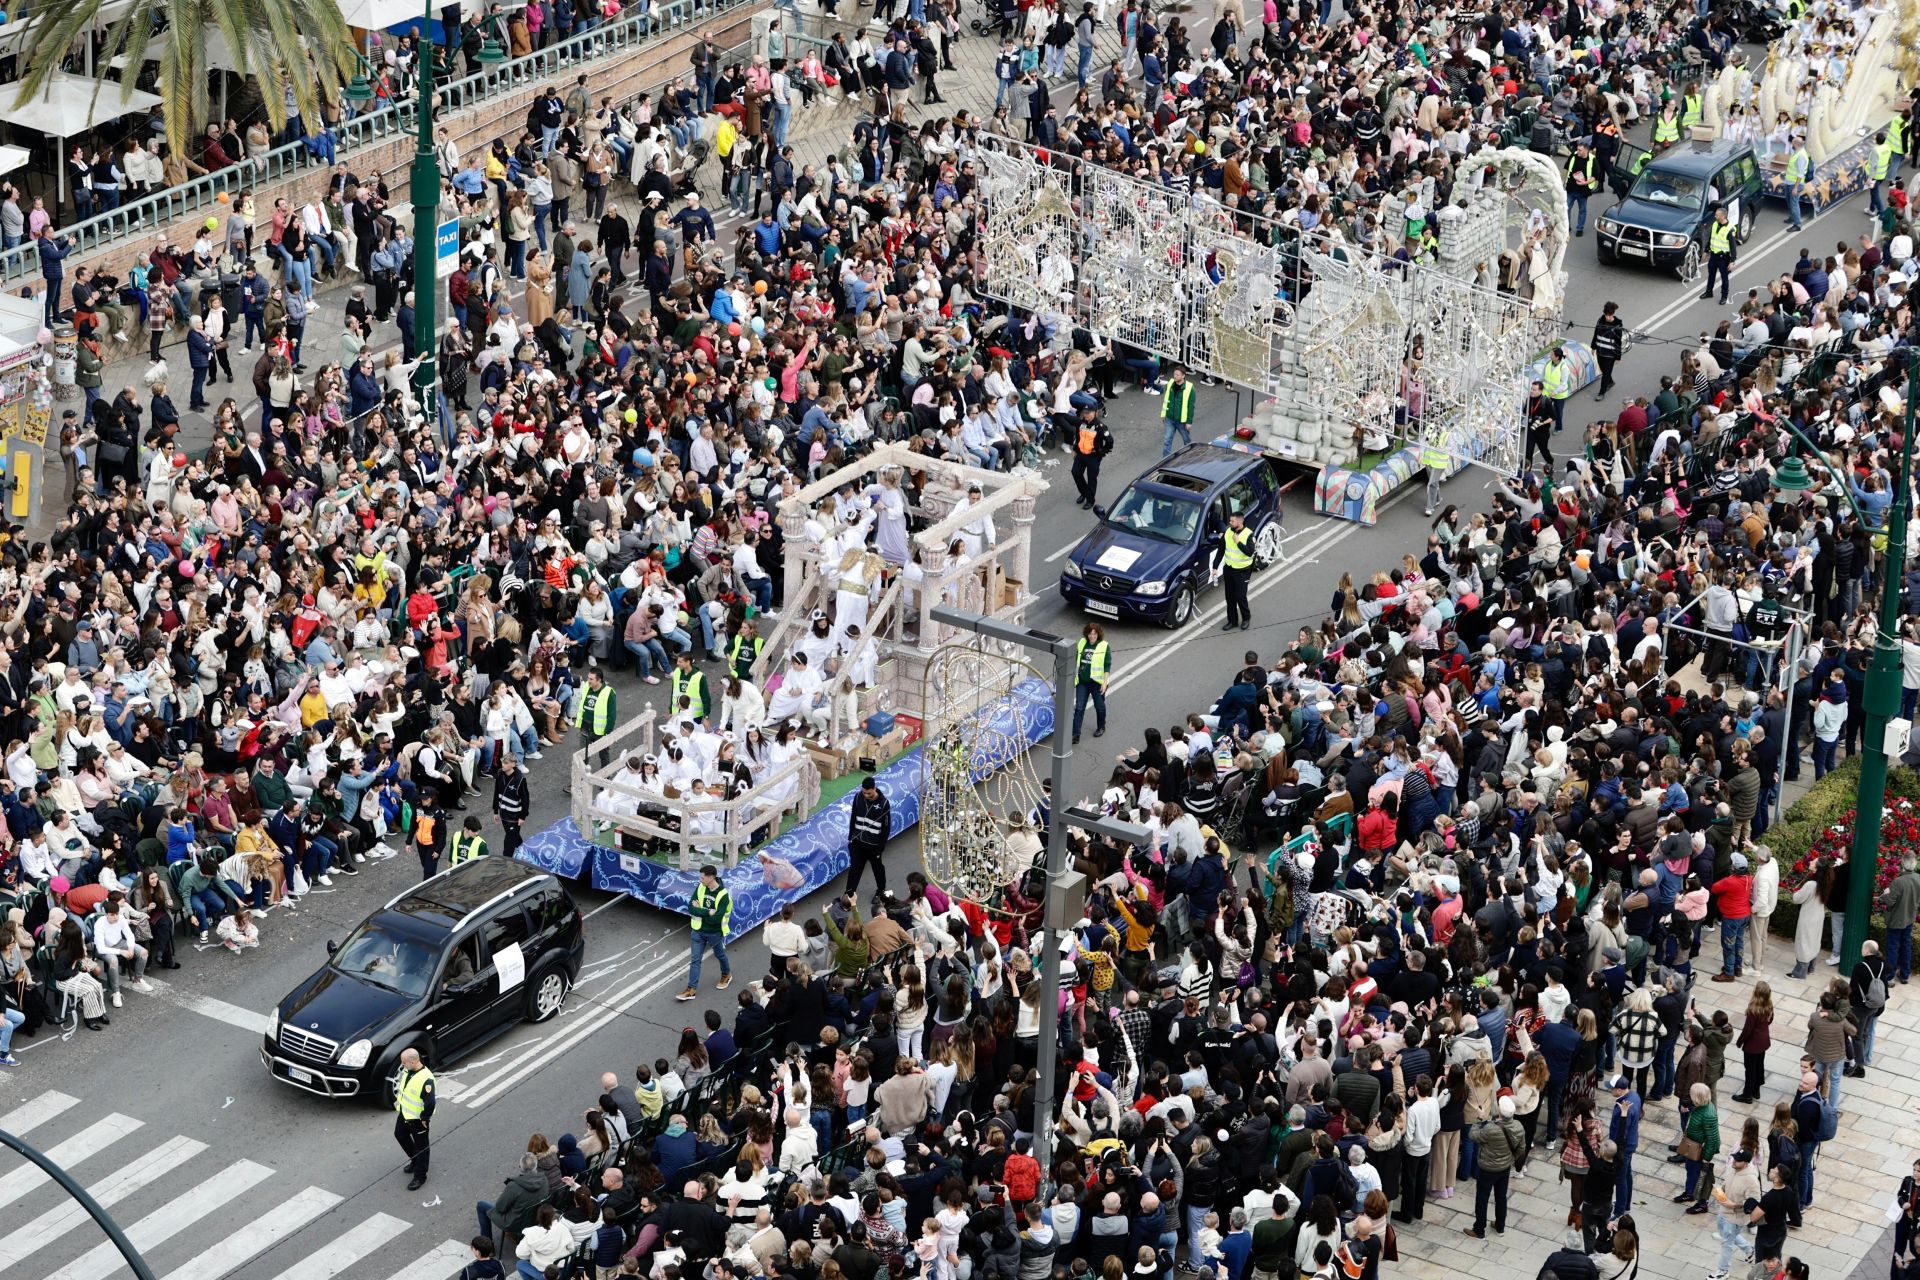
(387, 959)
(1157, 515)
(1674, 189)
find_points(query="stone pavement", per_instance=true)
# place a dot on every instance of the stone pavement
(1854, 1182)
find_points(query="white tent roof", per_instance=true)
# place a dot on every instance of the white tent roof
(73, 104)
(12, 158)
(378, 15)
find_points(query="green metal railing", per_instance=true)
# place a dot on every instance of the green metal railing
(156, 212)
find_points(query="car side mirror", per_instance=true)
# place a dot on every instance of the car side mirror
(333, 948)
(1100, 514)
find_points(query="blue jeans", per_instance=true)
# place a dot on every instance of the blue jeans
(1831, 1075)
(540, 214)
(1082, 691)
(320, 855)
(1900, 952)
(1733, 1235)
(1694, 1169)
(1577, 200)
(1663, 1066)
(255, 894)
(1196, 1222)
(207, 906)
(782, 117)
(762, 589)
(483, 1215)
(9, 1019)
(1824, 754)
(1172, 428)
(1623, 1186)
(1863, 1042)
(1086, 63)
(647, 654)
(1793, 204)
(1733, 943)
(1808, 1150)
(705, 940)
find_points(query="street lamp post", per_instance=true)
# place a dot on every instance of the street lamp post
(1882, 702)
(424, 186)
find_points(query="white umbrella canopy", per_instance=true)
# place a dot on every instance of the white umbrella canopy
(73, 104)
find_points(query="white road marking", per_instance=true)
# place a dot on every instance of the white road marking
(1750, 256)
(1064, 551)
(219, 1010)
(30, 1115)
(257, 1236)
(618, 898)
(168, 1221)
(612, 1006)
(109, 1191)
(92, 1140)
(1142, 663)
(337, 1255)
(444, 1261)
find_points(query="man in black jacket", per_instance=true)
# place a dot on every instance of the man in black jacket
(868, 829)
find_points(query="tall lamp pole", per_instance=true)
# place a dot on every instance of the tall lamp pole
(425, 188)
(1066, 891)
(1882, 700)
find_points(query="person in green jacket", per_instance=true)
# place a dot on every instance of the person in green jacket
(270, 786)
(850, 951)
(208, 897)
(1702, 1125)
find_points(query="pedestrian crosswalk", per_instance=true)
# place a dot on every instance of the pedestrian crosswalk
(193, 1209)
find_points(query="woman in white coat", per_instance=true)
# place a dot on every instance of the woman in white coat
(550, 1241)
(1766, 896)
(741, 707)
(1806, 933)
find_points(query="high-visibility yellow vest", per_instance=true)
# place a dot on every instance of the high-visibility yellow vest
(1176, 402)
(1432, 455)
(1238, 542)
(1690, 110)
(465, 845)
(1897, 134)
(595, 713)
(1092, 667)
(1575, 160)
(1882, 162)
(1666, 129)
(1799, 165)
(693, 686)
(740, 669)
(410, 1099)
(1556, 380)
(1720, 239)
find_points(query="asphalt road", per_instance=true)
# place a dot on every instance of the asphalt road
(313, 1188)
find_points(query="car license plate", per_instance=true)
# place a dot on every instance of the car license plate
(300, 1074)
(1634, 250)
(1103, 608)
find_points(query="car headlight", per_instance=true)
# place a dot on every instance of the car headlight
(273, 1023)
(1072, 570)
(356, 1054)
(1608, 226)
(1152, 588)
(1670, 240)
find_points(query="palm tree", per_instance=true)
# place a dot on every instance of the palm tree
(304, 43)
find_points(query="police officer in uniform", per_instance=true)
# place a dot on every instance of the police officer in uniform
(593, 714)
(1093, 667)
(1239, 571)
(413, 1113)
(1720, 241)
(510, 802)
(1581, 168)
(868, 827)
(1092, 442)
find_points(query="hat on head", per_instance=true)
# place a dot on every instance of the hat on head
(1618, 1082)
(1740, 862)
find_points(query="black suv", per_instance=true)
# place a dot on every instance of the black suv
(443, 968)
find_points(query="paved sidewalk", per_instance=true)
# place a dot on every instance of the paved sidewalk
(1854, 1182)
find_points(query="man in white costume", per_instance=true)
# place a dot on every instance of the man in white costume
(799, 696)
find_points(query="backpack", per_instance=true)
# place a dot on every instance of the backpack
(1876, 995)
(1829, 1119)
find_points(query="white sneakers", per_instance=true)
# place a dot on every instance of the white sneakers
(359, 857)
(326, 880)
(143, 987)
(118, 1003)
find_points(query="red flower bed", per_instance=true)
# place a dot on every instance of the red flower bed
(1899, 837)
